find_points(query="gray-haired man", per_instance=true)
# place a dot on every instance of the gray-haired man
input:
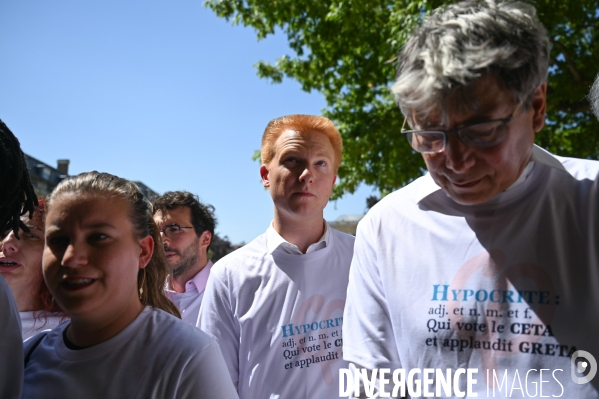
(491, 260)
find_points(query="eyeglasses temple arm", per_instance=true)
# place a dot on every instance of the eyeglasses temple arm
(404, 124)
(516, 110)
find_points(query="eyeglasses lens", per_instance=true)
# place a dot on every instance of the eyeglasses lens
(484, 135)
(172, 231)
(427, 141)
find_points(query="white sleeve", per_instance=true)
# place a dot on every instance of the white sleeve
(205, 376)
(11, 345)
(218, 320)
(368, 338)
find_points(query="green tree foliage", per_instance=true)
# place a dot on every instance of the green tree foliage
(346, 50)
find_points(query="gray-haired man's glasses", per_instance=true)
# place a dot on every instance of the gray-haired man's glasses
(478, 135)
(172, 231)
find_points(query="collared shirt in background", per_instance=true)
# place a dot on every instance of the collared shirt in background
(189, 301)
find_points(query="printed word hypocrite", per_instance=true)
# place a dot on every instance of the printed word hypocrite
(291, 329)
(443, 293)
(418, 382)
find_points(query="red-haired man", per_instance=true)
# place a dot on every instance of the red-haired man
(275, 306)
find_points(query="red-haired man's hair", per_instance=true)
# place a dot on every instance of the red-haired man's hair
(300, 123)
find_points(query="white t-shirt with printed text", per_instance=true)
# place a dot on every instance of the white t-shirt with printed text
(508, 287)
(277, 315)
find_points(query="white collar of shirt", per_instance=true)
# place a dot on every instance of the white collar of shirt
(523, 176)
(274, 242)
(197, 282)
(539, 155)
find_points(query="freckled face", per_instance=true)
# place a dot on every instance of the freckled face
(92, 256)
(301, 175)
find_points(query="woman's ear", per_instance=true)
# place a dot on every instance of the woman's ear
(147, 249)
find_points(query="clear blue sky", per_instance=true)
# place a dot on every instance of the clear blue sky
(158, 91)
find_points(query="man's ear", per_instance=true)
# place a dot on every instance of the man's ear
(205, 239)
(147, 249)
(264, 176)
(334, 180)
(539, 106)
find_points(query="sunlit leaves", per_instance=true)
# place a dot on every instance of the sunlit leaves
(346, 49)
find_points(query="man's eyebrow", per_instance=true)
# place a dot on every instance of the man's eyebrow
(322, 153)
(288, 152)
(474, 120)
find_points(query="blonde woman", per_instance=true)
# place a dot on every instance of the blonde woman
(104, 266)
